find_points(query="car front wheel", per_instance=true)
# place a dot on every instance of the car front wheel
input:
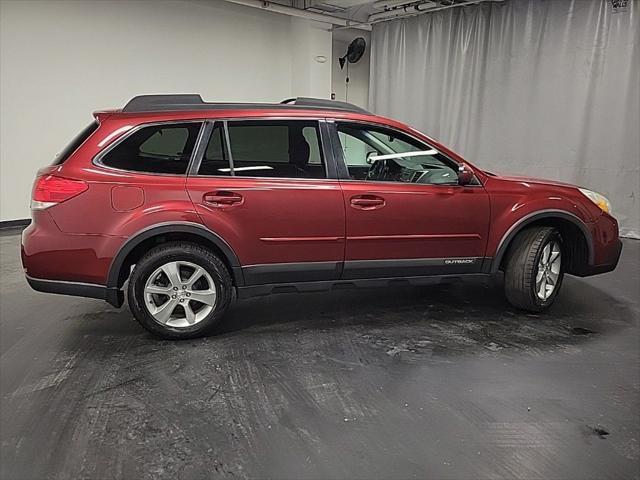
(179, 290)
(534, 270)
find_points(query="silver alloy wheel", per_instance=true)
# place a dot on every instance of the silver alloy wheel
(548, 271)
(180, 294)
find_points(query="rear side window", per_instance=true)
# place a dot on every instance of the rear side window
(266, 148)
(164, 148)
(75, 143)
(215, 161)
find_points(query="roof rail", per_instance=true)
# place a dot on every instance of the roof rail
(193, 101)
(323, 103)
(151, 103)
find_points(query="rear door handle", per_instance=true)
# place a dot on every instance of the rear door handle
(222, 198)
(367, 202)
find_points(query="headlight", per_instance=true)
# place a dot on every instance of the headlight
(599, 200)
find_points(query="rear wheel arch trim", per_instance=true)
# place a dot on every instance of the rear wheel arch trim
(518, 226)
(180, 227)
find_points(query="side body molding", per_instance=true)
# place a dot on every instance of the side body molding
(177, 227)
(533, 217)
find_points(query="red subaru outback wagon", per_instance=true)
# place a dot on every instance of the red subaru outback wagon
(191, 203)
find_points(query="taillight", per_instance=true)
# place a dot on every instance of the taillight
(50, 190)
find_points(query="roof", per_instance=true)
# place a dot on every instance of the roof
(190, 102)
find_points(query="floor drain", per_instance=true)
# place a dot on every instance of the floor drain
(599, 431)
(582, 331)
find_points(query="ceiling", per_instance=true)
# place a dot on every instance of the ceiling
(368, 10)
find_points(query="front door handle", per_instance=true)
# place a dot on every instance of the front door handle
(222, 198)
(367, 202)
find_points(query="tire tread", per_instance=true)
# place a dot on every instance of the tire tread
(519, 278)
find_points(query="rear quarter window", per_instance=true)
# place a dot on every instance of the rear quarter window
(74, 144)
(164, 148)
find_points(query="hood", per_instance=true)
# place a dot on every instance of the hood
(518, 178)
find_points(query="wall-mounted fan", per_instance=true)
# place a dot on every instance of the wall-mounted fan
(355, 50)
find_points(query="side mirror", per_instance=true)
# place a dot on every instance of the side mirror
(465, 176)
(369, 155)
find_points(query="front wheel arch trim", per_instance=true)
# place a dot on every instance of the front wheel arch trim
(187, 227)
(534, 217)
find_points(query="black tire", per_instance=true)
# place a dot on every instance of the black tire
(182, 252)
(521, 268)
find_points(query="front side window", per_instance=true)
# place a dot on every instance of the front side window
(379, 154)
(164, 148)
(265, 148)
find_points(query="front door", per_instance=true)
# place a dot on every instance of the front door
(265, 187)
(406, 214)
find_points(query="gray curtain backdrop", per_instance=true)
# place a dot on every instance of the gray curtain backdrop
(546, 88)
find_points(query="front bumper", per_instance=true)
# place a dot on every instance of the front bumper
(614, 258)
(607, 246)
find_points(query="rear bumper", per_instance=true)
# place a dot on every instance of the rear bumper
(48, 253)
(114, 296)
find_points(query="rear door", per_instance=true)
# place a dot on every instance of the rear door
(268, 189)
(406, 214)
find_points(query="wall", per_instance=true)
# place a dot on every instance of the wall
(310, 78)
(61, 60)
(542, 88)
(358, 92)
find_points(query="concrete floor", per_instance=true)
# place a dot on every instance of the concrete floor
(436, 382)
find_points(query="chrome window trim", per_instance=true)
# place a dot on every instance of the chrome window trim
(386, 182)
(225, 122)
(413, 137)
(97, 159)
(384, 125)
(275, 179)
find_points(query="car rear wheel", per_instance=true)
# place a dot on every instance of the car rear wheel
(179, 290)
(534, 269)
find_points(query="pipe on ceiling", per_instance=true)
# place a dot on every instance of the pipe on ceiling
(387, 4)
(411, 9)
(296, 12)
